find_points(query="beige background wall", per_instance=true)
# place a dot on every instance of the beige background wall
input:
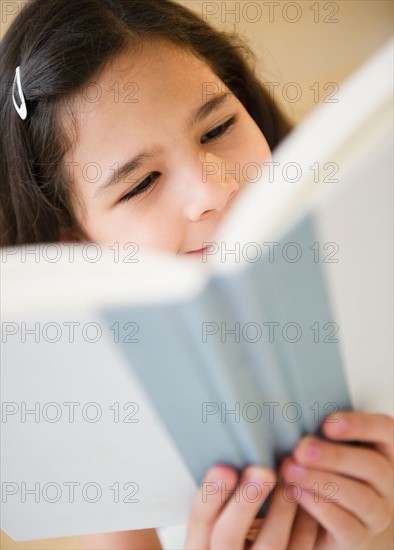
(299, 45)
(304, 42)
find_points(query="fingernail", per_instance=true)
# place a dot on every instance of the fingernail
(296, 470)
(255, 473)
(219, 474)
(310, 449)
(340, 426)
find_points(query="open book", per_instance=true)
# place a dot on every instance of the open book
(126, 375)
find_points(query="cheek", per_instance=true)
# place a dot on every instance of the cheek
(149, 230)
(257, 143)
(250, 150)
(250, 140)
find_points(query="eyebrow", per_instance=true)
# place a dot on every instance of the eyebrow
(209, 107)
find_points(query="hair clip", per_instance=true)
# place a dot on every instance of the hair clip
(22, 110)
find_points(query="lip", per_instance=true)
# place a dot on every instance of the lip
(200, 251)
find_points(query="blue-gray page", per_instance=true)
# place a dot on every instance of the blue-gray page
(240, 372)
(193, 383)
(290, 335)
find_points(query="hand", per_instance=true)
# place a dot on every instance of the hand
(347, 489)
(224, 509)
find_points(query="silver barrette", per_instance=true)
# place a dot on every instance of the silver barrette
(22, 109)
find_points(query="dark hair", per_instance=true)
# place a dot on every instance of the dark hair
(60, 45)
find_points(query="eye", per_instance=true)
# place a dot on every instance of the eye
(142, 188)
(219, 131)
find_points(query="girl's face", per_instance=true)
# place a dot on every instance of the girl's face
(162, 150)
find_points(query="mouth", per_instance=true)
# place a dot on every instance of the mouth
(199, 251)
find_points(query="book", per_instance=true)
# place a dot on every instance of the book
(125, 376)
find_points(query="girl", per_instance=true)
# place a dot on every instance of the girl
(108, 125)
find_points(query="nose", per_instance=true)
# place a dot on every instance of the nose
(212, 184)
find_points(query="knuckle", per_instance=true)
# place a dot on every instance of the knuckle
(376, 465)
(351, 536)
(388, 422)
(335, 454)
(385, 519)
(365, 499)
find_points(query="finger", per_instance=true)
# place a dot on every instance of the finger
(208, 503)
(365, 464)
(276, 529)
(369, 428)
(341, 526)
(231, 528)
(304, 532)
(354, 496)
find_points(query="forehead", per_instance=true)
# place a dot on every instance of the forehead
(155, 64)
(144, 88)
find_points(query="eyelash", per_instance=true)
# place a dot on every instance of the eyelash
(145, 185)
(224, 128)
